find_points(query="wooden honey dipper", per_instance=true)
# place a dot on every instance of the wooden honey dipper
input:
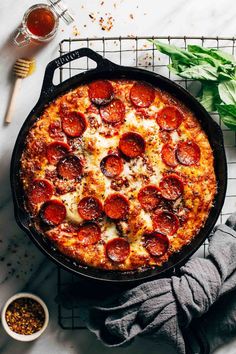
(21, 69)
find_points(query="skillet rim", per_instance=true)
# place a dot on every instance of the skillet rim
(107, 69)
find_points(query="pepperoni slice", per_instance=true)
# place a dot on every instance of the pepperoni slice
(156, 244)
(40, 191)
(101, 92)
(169, 118)
(188, 153)
(53, 212)
(149, 197)
(114, 112)
(69, 167)
(111, 165)
(90, 208)
(142, 94)
(165, 222)
(74, 124)
(168, 155)
(118, 249)
(56, 150)
(116, 206)
(132, 144)
(171, 187)
(89, 233)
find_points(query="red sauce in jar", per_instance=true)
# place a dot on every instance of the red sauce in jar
(40, 22)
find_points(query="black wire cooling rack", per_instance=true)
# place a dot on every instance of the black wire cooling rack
(139, 52)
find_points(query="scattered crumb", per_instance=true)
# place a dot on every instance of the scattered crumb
(62, 30)
(145, 60)
(102, 3)
(75, 31)
(106, 23)
(114, 5)
(131, 16)
(92, 16)
(145, 13)
(85, 25)
(82, 6)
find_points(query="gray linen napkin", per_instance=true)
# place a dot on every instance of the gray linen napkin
(218, 325)
(214, 328)
(164, 308)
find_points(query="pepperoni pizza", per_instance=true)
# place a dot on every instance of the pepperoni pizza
(119, 175)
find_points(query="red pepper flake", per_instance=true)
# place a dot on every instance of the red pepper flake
(92, 16)
(131, 16)
(25, 316)
(106, 23)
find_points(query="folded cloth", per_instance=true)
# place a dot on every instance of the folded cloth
(214, 328)
(164, 308)
(218, 325)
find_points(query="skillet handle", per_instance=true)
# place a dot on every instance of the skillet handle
(102, 64)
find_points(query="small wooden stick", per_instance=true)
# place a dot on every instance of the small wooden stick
(11, 107)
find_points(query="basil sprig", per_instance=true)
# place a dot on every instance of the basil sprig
(215, 69)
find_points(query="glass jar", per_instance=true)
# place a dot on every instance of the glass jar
(40, 23)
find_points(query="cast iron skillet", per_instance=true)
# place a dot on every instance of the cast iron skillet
(109, 70)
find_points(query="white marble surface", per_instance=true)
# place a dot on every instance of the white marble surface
(21, 264)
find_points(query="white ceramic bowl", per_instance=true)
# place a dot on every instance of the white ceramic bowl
(24, 337)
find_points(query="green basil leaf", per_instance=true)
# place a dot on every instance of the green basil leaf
(177, 68)
(226, 72)
(200, 72)
(227, 68)
(203, 58)
(217, 54)
(224, 76)
(207, 64)
(174, 52)
(227, 91)
(227, 114)
(205, 55)
(209, 96)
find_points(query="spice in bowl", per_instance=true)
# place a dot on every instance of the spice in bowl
(25, 316)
